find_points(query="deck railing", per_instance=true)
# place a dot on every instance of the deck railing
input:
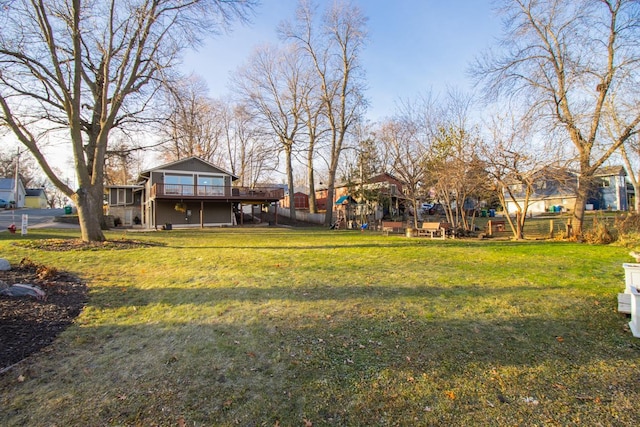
(216, 192)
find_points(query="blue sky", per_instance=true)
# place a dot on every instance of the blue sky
(414, 46)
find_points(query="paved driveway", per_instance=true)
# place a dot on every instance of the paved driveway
(36, 217)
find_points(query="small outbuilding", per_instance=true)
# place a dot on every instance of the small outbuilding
(36, 198)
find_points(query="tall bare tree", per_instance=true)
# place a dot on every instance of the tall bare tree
(273, 84)
(76, 69)
(333, 44)
(566, 61)
(315, 128)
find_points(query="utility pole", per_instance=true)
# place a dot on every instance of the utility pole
(16, 194)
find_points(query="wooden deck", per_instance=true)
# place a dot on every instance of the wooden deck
(208, 192)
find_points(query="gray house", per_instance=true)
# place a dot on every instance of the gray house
(555, 190)
(195, 193)
(124, 203)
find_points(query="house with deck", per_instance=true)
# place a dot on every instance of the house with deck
(195, 193)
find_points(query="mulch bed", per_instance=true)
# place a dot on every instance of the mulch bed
(28, 324)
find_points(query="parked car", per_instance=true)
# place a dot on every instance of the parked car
(4, 204)
(426, 206)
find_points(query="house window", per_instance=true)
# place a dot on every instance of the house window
(605, 182)
(210, 185)
(121, 196)
(178, 185)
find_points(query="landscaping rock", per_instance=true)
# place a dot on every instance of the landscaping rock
(4, 265)
(23, 290)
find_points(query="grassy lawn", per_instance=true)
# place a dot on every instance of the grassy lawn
(311, 328)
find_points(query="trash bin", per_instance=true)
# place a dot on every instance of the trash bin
(67, 210)
(483, 213)
(492, 213)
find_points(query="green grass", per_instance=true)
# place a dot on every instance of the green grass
(287, 327)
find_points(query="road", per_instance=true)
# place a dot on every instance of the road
(35, 217)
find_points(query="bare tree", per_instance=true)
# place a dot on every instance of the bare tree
(75, 70)
(250, 153)
(566, 61)
(333, 44)
(273, 85)
(457, 173)
(512, 166)
(408, 149)
(315, 128)
(123, 161)
(27, 167)
(195, 122)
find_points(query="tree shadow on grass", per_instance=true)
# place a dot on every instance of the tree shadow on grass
(331, 368)
(114, 296)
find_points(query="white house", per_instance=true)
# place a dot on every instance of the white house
(8, 192)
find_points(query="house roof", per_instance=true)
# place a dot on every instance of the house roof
(35, 192)
(611, 171)
(175, 166)
(381, 177)
(6, 183)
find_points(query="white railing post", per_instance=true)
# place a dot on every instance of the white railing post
(634, 325)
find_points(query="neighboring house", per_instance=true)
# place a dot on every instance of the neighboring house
(8, 192)
(36, 198)
(384, 194)
(555, 191)
(124, 203)
(613, 192)
(194, 192)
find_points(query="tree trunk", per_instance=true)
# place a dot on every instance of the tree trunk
(578, 213)
(292, 204)
(582, 196)
(89, 205)
(520, 220)
(313, 208)
(328, 217)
